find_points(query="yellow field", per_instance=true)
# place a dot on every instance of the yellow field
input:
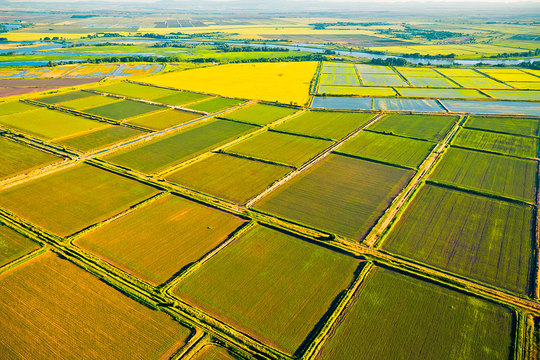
(283, 82)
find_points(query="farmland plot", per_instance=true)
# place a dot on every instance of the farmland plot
(427, 105)
(441, 93)
(13, 245)
(229, 177)
(18, 158)
(68, 200)
(15, 108)
(496, 142)
(427, 127)
(260, 114)
(213, 352)
(383, 80)
(89, 102)
(431, 82)
(75, 315)
(374, 69)
(73, 95)
(494, 107)
(339, 79)
(356, 90)
(181, 98)
(100, 138)
(343, 103)
(389, 149)
(480, 83)
(515, 94)
(516, 126)
(122, 109)
(341, 194)
(156, 241)
(398, 317)
(299, 281)
(136, 91)
(214, 104)
(459, 72)
(165, 152)
(474, 236)
(329, 68)
(164, 119)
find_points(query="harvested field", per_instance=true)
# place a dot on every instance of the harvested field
(5, 92)
(13, 245)
(298, 286)
(73, 95)
(325, 124)
(50, 124)
(69, 200)
(100, 138)
(122, 109)
(214, 104)
(279, 147)
(427, 127)
(474, 236)
(165, 152)
(496, 142)
(156, 241)
(15, 107)
(213, 352)
(260, 114)
(136, 91)
(229, 177)
(441, 93)
(387, 148)
(494, 174)
(75, 315)
(342, 195)
(164, 119)
(398, 317)
(516, 126)
(91, 101)
(181, 98)
(18, 158)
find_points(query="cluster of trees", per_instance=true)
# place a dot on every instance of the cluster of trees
(529, 53)
(165, 59)
(410, 32)
(322, 26)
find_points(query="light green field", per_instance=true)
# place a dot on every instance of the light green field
(181, 98)
(164, 119)
(18, 158)
(496, 142)
(13, 245)
(136, 91)
(15, 107)
(229, 177)
(279, 147)
(214, 104)
(260, 114)
(427, 127)
(398, 317)
(69, 200)
(89, 102)
(100, 138)
(516, 126)
(299, 281)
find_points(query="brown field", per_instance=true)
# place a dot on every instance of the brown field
(47, 83)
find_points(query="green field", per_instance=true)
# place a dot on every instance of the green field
(15, 107)
(13, 245)
(427, 127)
(156, 241)
(69, 200)
(181, 98)
(478, 237)
(73, 95)
(122, 109)
(515, 95)
(398, 317)
(494, 174)
(18, 158)
(496, 142)
(100, 138)
(260, 114)
(441, 93)
(89, 102)
(214, 104)
(165, 152)
(136, 91)
(279, 147)
(325, 124)
(164, 119)
(341, 194)
(49, 124)
(229, 177)
(271, 285)
(515, 126)
(387, 148)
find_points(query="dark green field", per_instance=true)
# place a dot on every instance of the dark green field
(122, 109)
(74, 95)
(495, 142)
(516, 126)
(100, 138)
(164, 119)
(427, 127)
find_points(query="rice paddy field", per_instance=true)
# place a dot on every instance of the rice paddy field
(18, 158)
(136, 91)
(163, 119)
(508, 125)
(181, 98)
(298, 287)
(88, 102)
(317, 197)
(100, 138)
(356, 91)
(441, 93)
(391, 313)
(214, 104)
(425, 127)
(497, 142)
(260, 114)
(122, 109)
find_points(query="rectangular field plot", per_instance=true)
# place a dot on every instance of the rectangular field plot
(341, 194)
(339, 79)
(299, 281)
(229, 177)
(515, 77)
(343, 103)
(418, 72)
(430, 82)
(181, 98)
(450, 72)
(13, 245)
(493, 107)
(213, 352)
(122, 109)
(356, 91)
(100, 138)
(441, 93)
(525, 85)
(73, 95)
(165, 152)
(427, 105)
(426, 127)
(75, 315)
(136, 91)
(332, 68)
(18, 158)
(279, 147)
(157, 240)
(69, 200)
(480, 83)
(89, 102)
(515, 126)
(515, 94)
(50, 124)
(494, 174)
(382, 80)
(164, 119)
(395, 316)
(15, 107)
(497, 142)
(215, 104)
(324, 124)
(374, 69)
(260, 114)
(388, 149)
(478, 237)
